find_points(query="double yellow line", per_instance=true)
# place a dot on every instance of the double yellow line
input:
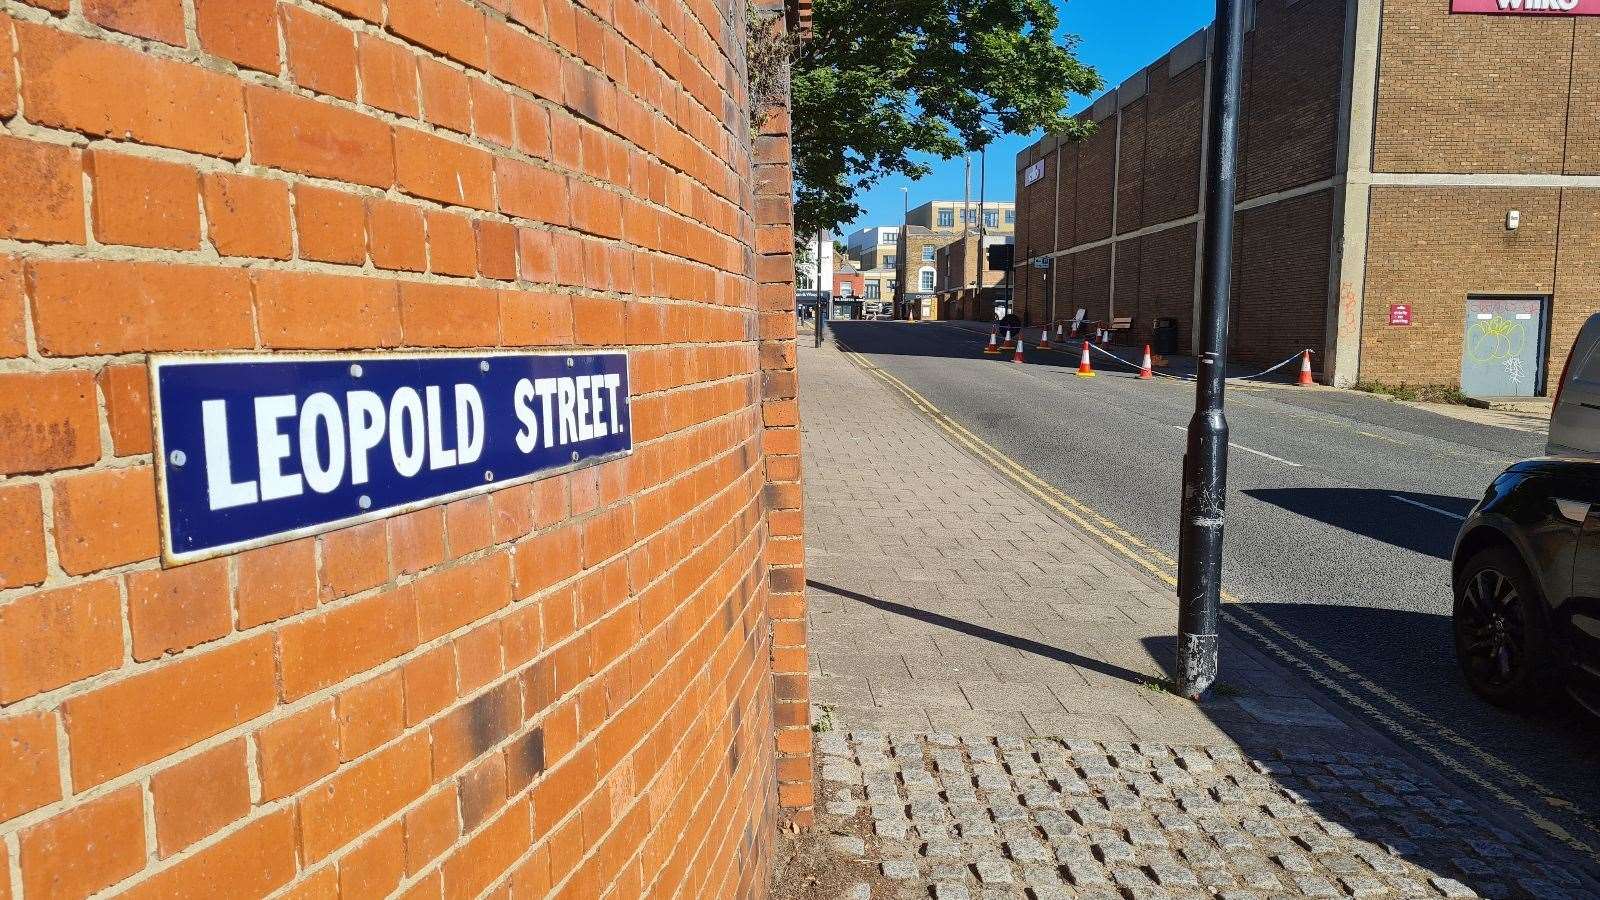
(1162, 567)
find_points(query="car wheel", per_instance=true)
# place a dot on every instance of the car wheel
(1502, 640)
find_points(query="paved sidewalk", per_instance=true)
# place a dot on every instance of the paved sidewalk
(987, 686)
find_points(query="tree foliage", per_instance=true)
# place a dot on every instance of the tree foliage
(881, 80)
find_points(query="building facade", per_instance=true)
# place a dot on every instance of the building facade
(589, 681)
(952, 215)
(1406, 211)
(874, 239)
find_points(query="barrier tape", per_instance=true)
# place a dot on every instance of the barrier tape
(1104, 352)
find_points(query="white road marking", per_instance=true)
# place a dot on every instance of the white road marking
(1433, 509)
(1287, 462)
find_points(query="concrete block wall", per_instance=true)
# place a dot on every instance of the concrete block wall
(563, 688)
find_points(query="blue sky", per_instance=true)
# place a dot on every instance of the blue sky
(1119, 38)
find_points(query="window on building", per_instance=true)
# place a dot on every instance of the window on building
(927, 253)
(846, 289)
(947, 218)
(893, 285)
(1011, 217)
(872, 290)
(927, 280)
(889, 261)
(888, 237)
(991, 218)
(969, 216)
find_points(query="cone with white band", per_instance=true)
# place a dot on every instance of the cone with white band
(1145, 371)
(1017, 356)
(1085, 368)
(1305, 370)
(994, 346)
(1044, 338)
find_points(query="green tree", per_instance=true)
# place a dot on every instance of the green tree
(880, 80)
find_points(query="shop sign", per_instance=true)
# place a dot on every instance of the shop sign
(1033, 173)
(256, 449)
(1399, 314)
(1527, 7)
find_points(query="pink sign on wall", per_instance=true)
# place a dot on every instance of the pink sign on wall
(1527, 7)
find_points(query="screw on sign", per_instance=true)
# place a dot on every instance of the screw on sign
(1399, 314)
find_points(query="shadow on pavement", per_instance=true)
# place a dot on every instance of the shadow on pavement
(1376, 514)
(1026, 645)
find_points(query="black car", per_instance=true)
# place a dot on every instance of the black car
(1527, 586)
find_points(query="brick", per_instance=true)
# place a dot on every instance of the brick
(524, 760)
(172, 610)
(370, 715)
(275, 582)
(30, 774)
(546, 559)
(13, 317)
(531, 192)
(252, 862)
(51, 210)
(532, 318)
(331, 224)
(598, 320)
(371, 10)
(326, 650)
(144, 202)
(395, 236)
(431, 827)
(451, 598)
(88, 847)
(301, 135)
(53, 638)
(416, 540)
(322, 53)
(199, 796)
(524, 61)
(446, 96)
(106, 518)
(121, 726)
(469, 525)
(452, 248)
(479, 656)
(438, 169)
(440, 315)
(430, 683)
(354, 560)
(471, 730)
(159, 20)
(8, 80)
(22, 541)
(296, 750)
(247, 216)
(488, 854)
(531, 122)
(497, 249)
(243, 31)
(491, 113)
(375, 868)
(303, 311)
(452, 27)
(483, 790)
(595, 209)
(83, 307)
(388, 75)
(363, 795)
(101, 89)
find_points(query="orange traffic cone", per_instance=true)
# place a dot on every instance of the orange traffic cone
(1305, 370)
(1017, 356)
(1145, 372)
(1085, 369)
(1007, 343)
(994, 347)
(1058, 332)
(1044, 338)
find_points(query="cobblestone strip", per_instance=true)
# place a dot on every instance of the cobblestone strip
(982, 817)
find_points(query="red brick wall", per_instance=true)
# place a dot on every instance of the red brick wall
(564, 687)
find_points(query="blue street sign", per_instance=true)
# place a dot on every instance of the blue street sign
(257, 449)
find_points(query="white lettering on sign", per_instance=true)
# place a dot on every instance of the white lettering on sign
(1522, 7)
(1033, 173)
(321, 442)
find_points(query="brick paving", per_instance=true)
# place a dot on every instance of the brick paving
(986, 687)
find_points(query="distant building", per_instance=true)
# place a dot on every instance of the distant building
(805, 264)
(872, 239)
(950, 215)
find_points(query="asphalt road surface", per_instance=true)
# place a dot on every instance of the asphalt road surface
(1342, 509)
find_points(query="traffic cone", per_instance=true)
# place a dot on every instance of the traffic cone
(1007, 344)
(1044, 338)
(1017, 356)
(1058, 332)
(994, 347)
(1085, 369)
(1145, 372)
(1305, 370)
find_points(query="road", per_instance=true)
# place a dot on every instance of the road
(1342, 509)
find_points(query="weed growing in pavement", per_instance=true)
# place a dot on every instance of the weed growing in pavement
(824, 722)
(1422, 393)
